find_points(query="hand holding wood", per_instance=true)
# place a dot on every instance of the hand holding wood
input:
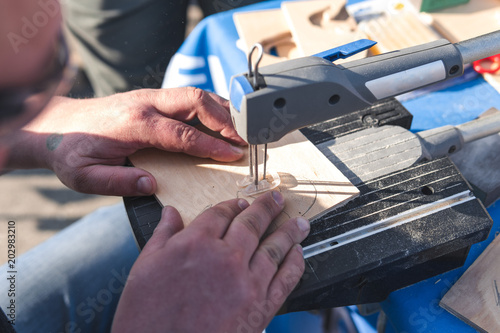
(218, 274)
(86, 142)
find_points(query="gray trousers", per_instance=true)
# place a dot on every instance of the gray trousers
(127, 44)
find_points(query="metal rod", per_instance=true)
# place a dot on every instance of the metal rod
(479, 47)
(256, 179)
(265, 161)
(480, 127)
(250, 158)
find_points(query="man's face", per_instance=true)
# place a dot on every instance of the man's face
(29, 32)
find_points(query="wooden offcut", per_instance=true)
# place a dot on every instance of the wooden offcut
(397, 31)
(321, 25)
(269, 28)
(299, 28)
(467, 21)
(310, 183)
(475, 298)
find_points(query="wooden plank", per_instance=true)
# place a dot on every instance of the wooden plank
(320, 25)
(310, 183)
(475, 297)
(467, 21)
(269, 28)
(397, 31)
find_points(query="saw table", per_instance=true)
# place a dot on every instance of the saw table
(414, 308)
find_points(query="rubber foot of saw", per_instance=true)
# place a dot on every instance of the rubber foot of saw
(249, 188)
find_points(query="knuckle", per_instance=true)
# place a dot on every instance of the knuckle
(273, 253)
(269, 208)
(252, 223)
(196, 94)
(295, 273)
(137, 119)
(287, 286)
(223, 211)
(235, 260)
(130, 110)
(145, 118)
(248, 294)
(190, 242)
(80, 181)
(299, 268)
(288, 239)
(193, 242)
(290, 280)
(112, 183)
(188, 135)
(292, 236)
(139, 113)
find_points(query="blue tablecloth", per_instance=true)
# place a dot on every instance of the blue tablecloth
(211, 55)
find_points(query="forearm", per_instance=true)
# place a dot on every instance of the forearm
(26, 151)
(86, 141)
(31, 147)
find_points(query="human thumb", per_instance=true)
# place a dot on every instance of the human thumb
(112, 180)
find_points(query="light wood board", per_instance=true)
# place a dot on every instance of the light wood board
(320, 25)
(269, 28)
(466, 21)
(469, 20)
(310, 183)
(475, 296)
(397, 31)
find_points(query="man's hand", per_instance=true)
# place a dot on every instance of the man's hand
(86, 142)
(216, 275)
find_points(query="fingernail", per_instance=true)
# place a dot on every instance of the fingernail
(278, 198)
(243, 204)
(303, 224)
(237, 150)
(144, 185)
(300, 249)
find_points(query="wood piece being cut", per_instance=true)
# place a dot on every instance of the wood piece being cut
(310, 183)
(475, 298)
(320, 25)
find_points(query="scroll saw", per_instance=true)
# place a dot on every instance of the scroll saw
(416, 215)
